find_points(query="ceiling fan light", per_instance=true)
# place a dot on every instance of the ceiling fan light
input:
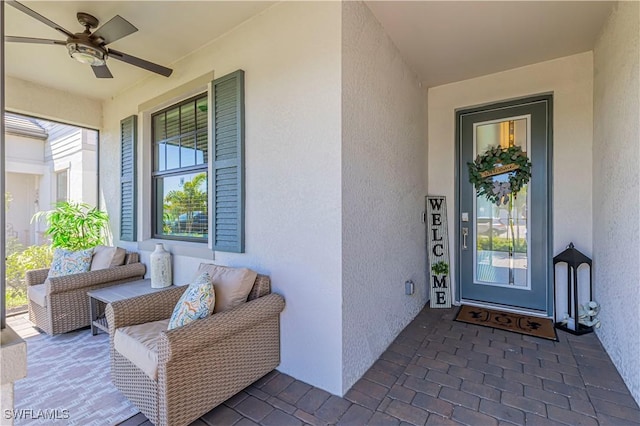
(86, 54)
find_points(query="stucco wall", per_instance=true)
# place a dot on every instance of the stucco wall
(24, 154)
(570, 79)
(616, 189)
(291, 58)
(22, 188)
(24, 168)
(44, 102)
(384, 185)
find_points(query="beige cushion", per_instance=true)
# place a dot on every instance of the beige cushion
(38, 294)
(232, 285)
(102, 256)
(118, 258)
(105, 257)
(138, 343)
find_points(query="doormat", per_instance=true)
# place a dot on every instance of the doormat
(509, 321)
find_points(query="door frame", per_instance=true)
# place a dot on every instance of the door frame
(549, 182)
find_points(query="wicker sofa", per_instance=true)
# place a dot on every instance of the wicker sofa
(58, 305)
(202, 364)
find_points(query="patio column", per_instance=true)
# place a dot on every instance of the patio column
(13, 366)
(13, 350)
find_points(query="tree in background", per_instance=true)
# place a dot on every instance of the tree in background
(188, 200)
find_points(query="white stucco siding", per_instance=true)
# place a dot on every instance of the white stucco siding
(291, 58)
(85, 176)
(22, 188)
(616, 149)
(570, 79)
(24, 154)
(45, 102)
(24, 169)
(384, 185)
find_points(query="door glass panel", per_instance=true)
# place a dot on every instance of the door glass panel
(501, 256)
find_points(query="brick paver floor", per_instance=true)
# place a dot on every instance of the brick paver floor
(442, 372)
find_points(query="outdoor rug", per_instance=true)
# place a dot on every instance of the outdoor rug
(524, 324)
(68, 383)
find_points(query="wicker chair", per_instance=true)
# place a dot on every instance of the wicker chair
(66, 305)
(203, 363)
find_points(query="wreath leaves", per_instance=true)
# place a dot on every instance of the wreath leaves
(496, 157)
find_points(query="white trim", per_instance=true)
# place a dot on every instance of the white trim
(195, 87)
(179, 248)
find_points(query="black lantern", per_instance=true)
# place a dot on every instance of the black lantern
(574, 259)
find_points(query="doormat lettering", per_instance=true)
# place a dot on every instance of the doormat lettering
(438, 246)
(509, 321)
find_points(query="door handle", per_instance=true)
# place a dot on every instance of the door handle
(465, 234)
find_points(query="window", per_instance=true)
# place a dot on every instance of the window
(61, 186)
(180, 156)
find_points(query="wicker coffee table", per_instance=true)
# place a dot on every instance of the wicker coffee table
(98, 299)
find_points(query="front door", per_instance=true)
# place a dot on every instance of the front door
(504, 253)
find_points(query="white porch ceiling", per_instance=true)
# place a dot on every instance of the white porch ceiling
(443, 41)
(447, 41)
(167, 31)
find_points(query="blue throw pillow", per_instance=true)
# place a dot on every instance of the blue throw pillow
(66, 262)
(196, 302)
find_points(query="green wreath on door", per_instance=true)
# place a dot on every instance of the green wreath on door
(485, 171)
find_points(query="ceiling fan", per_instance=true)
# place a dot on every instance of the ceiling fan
(91, 48)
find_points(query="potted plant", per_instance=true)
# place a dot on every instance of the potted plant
(75, 226)
(440, 268)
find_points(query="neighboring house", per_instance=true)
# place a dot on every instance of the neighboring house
(341, 146)
(46, 162)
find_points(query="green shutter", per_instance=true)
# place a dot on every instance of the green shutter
(228, 163)
(128, 139)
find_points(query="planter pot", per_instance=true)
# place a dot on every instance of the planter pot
(160, 264)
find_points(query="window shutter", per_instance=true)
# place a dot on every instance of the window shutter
(228, 163)
(128, 139)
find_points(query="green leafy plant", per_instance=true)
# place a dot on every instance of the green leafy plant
(8, 198)
(75, 226)
(488, 165)
(17, 264)
(13, 245)
(440, 268)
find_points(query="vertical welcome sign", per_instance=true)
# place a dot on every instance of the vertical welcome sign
(438, 247)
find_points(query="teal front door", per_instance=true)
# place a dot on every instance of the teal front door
(503, 250)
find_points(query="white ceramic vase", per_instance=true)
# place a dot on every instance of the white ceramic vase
(160, 261)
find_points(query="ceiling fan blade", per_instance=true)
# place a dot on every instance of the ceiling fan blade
(101, 71)
(21, 7)
(115, 29)
(33, 40)
(150, 66)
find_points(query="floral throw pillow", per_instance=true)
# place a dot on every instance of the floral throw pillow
(67, 262)
(196, 302)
